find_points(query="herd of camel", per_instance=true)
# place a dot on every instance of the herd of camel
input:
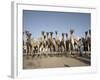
(48, 44)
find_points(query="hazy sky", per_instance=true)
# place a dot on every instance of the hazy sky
(37, 21)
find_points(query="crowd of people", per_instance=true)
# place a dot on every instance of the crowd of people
(47, 44)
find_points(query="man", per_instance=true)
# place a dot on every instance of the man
(81, 47)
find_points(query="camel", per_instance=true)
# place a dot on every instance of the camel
(28, 43)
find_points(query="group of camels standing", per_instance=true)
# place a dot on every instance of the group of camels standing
(48, 44)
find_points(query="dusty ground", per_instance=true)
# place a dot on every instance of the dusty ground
(54, 62)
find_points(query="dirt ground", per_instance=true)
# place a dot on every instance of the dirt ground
(53, 62)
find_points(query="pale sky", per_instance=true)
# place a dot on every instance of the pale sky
(37, 21)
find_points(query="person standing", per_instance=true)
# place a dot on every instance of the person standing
(81, 47)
